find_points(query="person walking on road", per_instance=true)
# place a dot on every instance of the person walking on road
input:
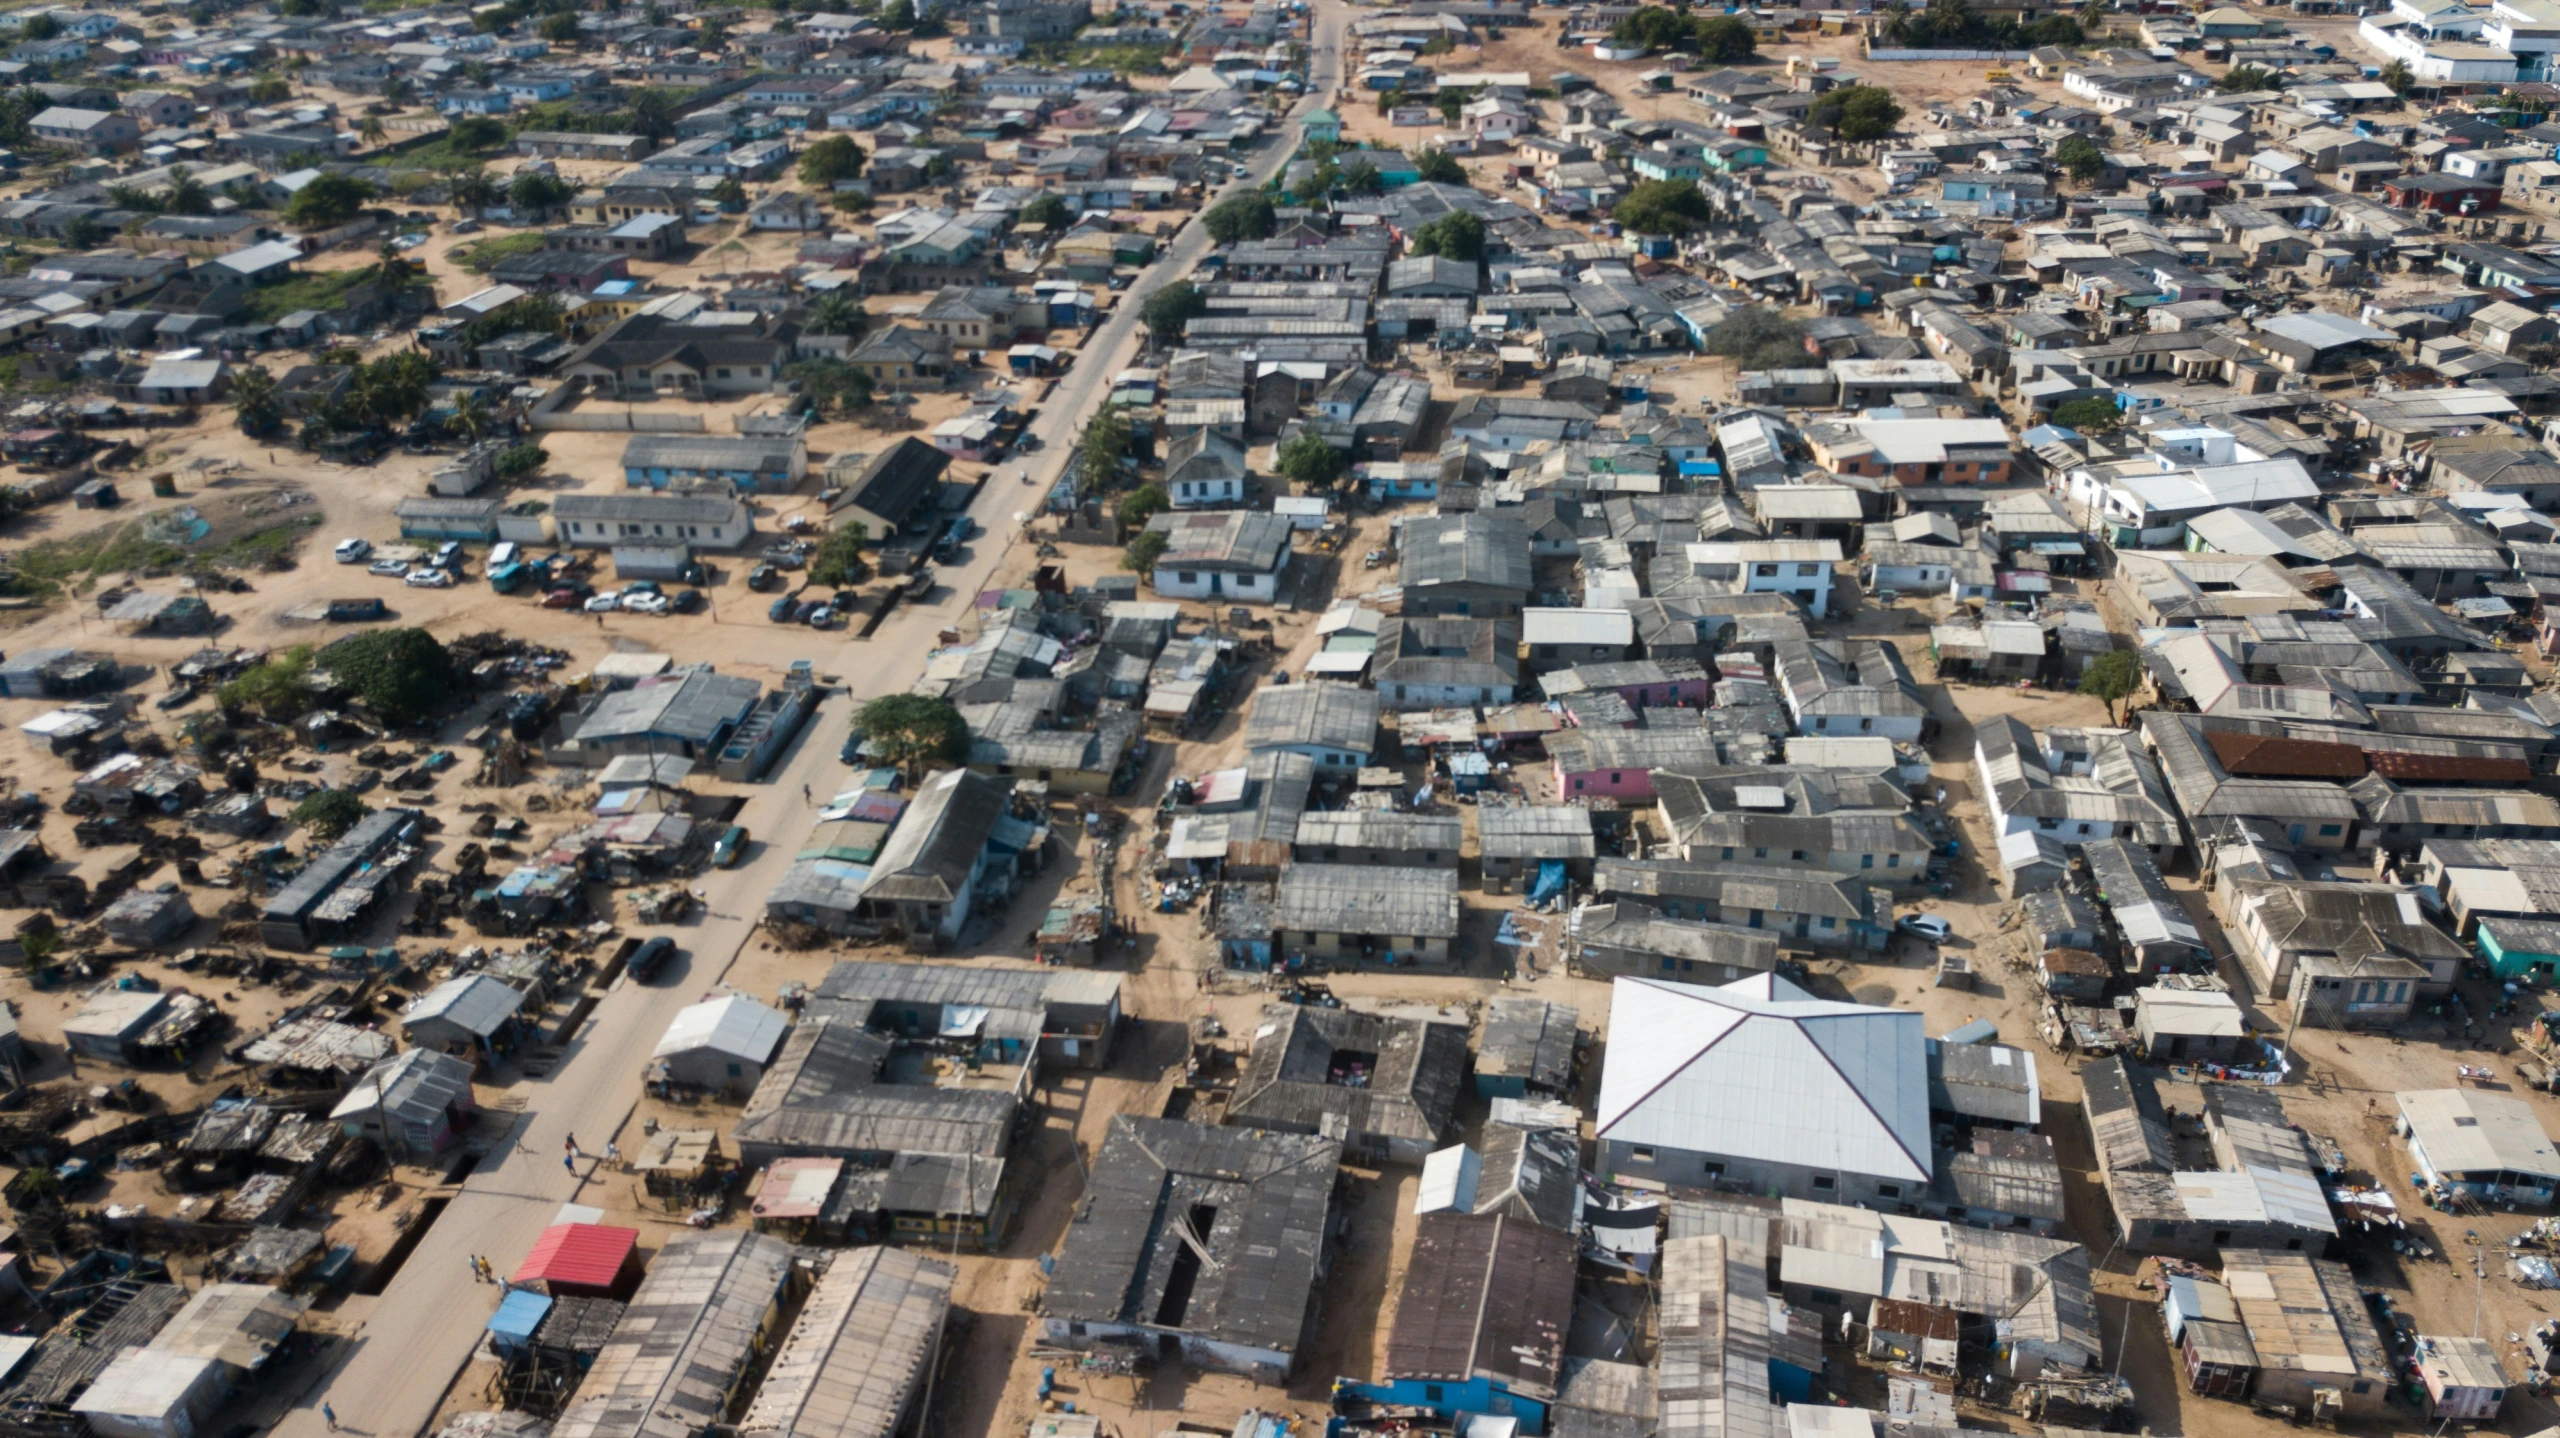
(572, 1147)
(476, 1276)
(570, 1163)
(331, 1414)
(612, 1154)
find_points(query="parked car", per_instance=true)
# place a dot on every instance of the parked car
(604, 601)
(353, 551)
(429, 579)
(822, 617)
(1925, 926)
(503, 553)
(646, 603)
(688, 601)
(763, 577)
(803, 609)
(448, 555)
(388, 568)
(729, 847)
(649, 958)
(782, 610)
(565, 598)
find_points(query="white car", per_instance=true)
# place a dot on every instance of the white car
(604, 601)
(425, 577)
(388, 568)
(353, 551)
(647, 603)
(1925, 926)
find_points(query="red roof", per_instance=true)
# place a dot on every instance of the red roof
(589, 1255)
(2402, 764)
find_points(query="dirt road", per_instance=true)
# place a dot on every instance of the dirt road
(405, 1353)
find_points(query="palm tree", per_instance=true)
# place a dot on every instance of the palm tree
(472, 417)
(254, 400)
(186, 194)
(2398, 77)
(835, 313)
(653, 114)
(370, 130)
(471, 192)
(397, 88)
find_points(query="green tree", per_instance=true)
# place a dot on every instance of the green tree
(898, 15)
(2112, 678)
(915, 732)
(711, 37)
(270, 90)
(41, 28)
(1456, 235)
(254, 400)
(1168, 309)
(1143, 552)
(1105, 444)
(403, 675)
(1726, 40)
(653, 112)
(329, 813)
(276, 690)
(518, 460)
(186, 194)
(1857, 113)
(838, 560)
(1140, 505)
(1663, 207)
(729, 194)
(2082, 156)
(327, 201)
(472, 192)
(2398, 76)
(2089, 416)
(1758, 337)
(1439, 167)
(832, 386)
(371, 130)
(1241, 217)
(1049, 212)
(1316, 183)
(84, 233)
(559, 29)
(2240, 79)
(1652, 27)
(1362, 178)
(538, 195)
(1307, 461)
(18, 110)
(828, 160)
(837, 312)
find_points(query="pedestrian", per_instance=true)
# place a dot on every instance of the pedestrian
(570, 1164)
(570, 1145)
(475, 1269)
(806, 797)
(331, 1414)
(612, 1154)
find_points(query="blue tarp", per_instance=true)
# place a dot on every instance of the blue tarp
(512, 1326)
(1550, 881)
(1700, 466)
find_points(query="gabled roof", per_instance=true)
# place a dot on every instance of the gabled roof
(1759, 1070)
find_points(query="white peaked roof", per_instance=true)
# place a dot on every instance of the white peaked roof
(731, 1024)
(1762, 1070)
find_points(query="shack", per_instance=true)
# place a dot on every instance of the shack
(470, 1015)
(2485, 1147)
(685, 1346)
(2466, 1382)
(334, 891)
(1527, 1049)
(111, 1026)
(720, 1045)
(582, 1260)
(415, 1104)
(855, 1361)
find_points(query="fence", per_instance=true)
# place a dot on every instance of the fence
(1999, 55)
(552, 415)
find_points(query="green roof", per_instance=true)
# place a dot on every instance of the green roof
(1321, 117)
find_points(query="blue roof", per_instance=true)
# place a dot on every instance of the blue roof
(519, 1315)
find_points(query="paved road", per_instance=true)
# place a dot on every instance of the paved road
(414, 1339)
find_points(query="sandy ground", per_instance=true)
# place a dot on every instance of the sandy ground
(990, 1388)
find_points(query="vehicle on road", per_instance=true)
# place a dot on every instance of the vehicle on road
(388, 568)
(353, 551)
(649, 958)
(428, 579)
(1925, 926)
(730, 847)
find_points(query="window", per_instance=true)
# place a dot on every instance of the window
(1432, 1393)
(1807, 571)
(2329, 831)
(1188, 577)
(2221, 1237)
(1640, 1153)
(1765, 571)
(1825, 1184)
(2164, 1230)
(1866, 861)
